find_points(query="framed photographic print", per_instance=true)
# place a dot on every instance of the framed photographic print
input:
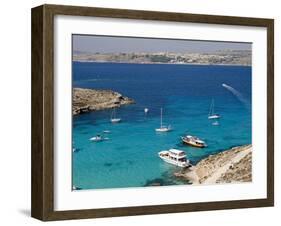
(141, 112)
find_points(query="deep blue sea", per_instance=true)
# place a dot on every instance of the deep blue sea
(129, 158)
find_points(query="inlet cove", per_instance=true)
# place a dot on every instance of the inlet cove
(125, 114)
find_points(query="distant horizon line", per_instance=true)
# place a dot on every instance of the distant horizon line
(148, 63)
(199, 52)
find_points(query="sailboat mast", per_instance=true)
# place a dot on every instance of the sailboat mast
(211, 111)
(161, 118)
(113, 114)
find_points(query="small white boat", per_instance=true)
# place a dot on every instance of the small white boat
(74, 188)
(76, 150)
(97, 138)
(115, 120)
(106, 131)
(163, 128)
(113, 117)
(146, 110)
(212, 114)
(174, 157)
(193, 141)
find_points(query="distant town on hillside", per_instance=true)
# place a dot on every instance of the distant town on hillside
(222, 57)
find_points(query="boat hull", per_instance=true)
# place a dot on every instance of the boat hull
(116, 120)
(163, 130)
(175, 163)
(193, 144)
(214, 117)
(96, 139)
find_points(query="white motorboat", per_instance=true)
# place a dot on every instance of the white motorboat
(163, 128)
(75, 150)
(212, 114)
(113, 118)
(175, 157)
(96, 138)
(74, 188)
(146, 110)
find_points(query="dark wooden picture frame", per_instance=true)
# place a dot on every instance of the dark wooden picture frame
(42, 203)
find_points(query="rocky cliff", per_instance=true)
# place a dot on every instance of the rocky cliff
(230, 166)
(85, 100)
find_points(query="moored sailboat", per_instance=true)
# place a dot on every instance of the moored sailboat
(113, 118)
(212, 114)
(163, 128)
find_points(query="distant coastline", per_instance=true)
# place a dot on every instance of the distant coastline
(232, 58)
(86, 100)
(104, 62)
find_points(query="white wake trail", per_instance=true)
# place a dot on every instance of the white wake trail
(237, 94)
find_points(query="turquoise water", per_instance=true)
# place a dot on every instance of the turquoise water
(129, 158)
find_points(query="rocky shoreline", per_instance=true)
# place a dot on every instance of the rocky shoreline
(86, 100)
(230, 166)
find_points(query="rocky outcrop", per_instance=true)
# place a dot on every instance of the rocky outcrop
(238, 172)
(234, 165)
(85, 100)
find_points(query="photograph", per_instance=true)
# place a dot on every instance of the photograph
(160, 112)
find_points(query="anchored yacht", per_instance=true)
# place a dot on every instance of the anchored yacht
(175, 157)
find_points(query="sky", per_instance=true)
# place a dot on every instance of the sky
(111, 44)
